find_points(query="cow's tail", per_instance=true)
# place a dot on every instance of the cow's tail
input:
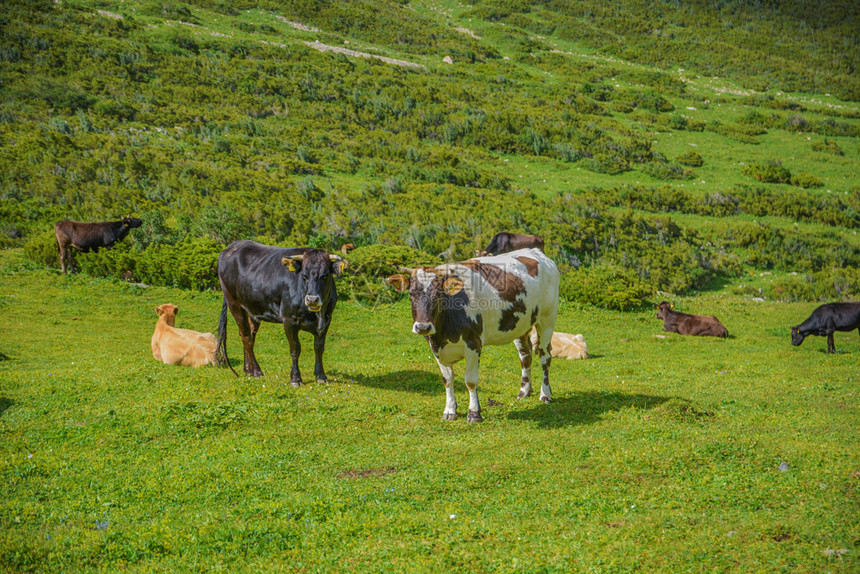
(221, 349)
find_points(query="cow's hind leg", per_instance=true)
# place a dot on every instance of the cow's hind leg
(247, 333)
(295, 350)
(542, 349)
(831, 347)
(450, 412)
(524, 348)
(473, 361)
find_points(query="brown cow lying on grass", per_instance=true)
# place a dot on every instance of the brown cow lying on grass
(173, 346)
(685, 324)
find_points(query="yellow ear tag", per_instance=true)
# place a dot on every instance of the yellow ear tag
(291, 265)
(452, 286)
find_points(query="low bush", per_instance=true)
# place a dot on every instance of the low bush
(606, 286)
(690, 159)
(369, 266)
(806, 180)
(771, 171)
(41, 249)
(832, 285)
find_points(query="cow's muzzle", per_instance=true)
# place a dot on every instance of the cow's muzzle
(423, 328)
(313, 302)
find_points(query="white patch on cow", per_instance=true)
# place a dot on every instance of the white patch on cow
(424, 278)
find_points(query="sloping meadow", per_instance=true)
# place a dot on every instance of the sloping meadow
(659, 453)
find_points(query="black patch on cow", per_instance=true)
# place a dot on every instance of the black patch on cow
(535, 314)
(511, 316)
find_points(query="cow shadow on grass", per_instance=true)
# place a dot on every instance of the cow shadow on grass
(5, 404)
(584, 408)
(424, 382)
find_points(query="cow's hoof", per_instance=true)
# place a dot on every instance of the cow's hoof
(322, 381)
(522, 395)
(474, 417)
(296, 383)
(449, 417)
(545, 399)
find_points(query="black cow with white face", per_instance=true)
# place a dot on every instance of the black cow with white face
(826, 320)
(291, 286)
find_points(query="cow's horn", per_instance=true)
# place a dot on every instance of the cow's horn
(406, 269)
(294, 257)
(334, 257)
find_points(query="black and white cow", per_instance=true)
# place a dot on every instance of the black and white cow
(291, 286)
(462, 307)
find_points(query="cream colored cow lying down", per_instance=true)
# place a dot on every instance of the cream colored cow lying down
(174, 346)
(567, 346)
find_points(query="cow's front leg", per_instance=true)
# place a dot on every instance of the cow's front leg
(319, 348)
(523, 345)
(831, 347)
(473, 361)
(295, 350)
(450, 412)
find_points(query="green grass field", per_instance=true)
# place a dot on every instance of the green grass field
(658, 454)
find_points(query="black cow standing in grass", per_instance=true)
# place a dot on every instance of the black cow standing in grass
(291, 286)
(86, 237)
(505, 242)
(826, 320)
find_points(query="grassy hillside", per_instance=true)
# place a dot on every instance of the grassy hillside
(703, 152)
(331, 123)
(661, 453)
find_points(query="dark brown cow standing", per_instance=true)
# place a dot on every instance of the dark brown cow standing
(86, 237)
(505, 242)
(826, 320)
(684, 324)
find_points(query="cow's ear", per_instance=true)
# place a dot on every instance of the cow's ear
(176, 309)
(399, 282)
(452, 285)
(158, 311)
(338, 264)
(293, 263)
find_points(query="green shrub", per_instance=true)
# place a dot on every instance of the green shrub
(666, 170)
(41, 248)
(770, 171)
(806, 180)
(828, 146)
(690, 159)
(606, 286)
(832, 285)
(369, 266)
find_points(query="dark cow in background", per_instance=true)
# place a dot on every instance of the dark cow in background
(87, 237)
(685, 324)
(505, 242)
(462, 307)
(826, 320)
(291, 286)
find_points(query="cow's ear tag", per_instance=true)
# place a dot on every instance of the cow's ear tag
(291, 264)
(452, 285)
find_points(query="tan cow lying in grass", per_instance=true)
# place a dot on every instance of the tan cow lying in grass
(174, 346)
(567, 346)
